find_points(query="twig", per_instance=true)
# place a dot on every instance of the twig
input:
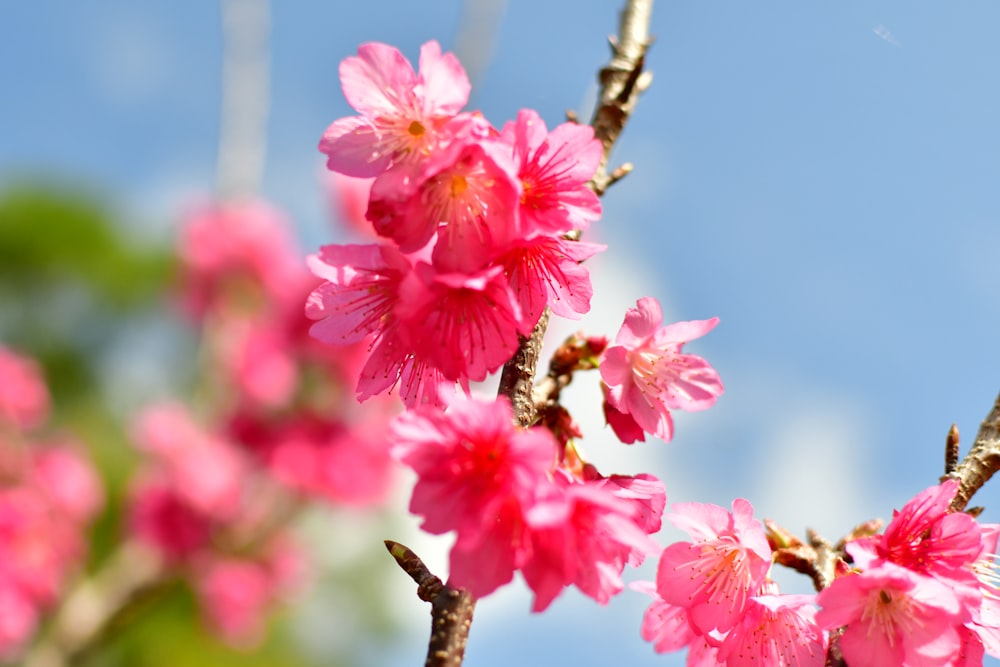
(951, 450)
(982, 461)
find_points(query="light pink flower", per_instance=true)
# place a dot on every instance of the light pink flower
(401, 111)
(554, 169)
(547, 271)
(894, 616)
(24, 398)
(477, 474)
(778, 630)
(648, 374)
(68, 480)
(665, 625)
(715, 574)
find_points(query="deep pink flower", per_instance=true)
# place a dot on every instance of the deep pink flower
(582, 534)
(894, 616)
(547, 271)
(623, 424)
(18, 620)
(465, 325)
(161, 518)
(724, 565)
(554, 169)
(401, 111)
(24, 398)
(477, 474)
(648, 374)
(926, 537)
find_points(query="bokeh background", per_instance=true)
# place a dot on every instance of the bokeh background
(822, 177)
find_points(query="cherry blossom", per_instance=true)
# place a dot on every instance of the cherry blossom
(401, 110)
(714, 575)
(648, 374)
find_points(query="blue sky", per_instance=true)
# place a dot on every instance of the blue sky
(821, 176)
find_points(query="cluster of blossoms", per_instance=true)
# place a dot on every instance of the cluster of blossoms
(214, 494)
(922, 594)
(474, 230)
(471, 223)
(49, 493)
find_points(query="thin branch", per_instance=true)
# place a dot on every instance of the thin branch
(952, 450)
(982, 461)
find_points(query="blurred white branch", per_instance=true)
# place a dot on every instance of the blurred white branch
(246, 26)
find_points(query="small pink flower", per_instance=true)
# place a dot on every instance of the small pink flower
(724, 565)
(554, 169)
(894, 616)
(401, 111)
(665, 625)
(648, 374)
(68, 480)
(24, 398)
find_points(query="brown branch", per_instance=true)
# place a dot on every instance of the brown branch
(982, 461)
(952, 450)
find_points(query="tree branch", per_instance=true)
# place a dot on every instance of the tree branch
(982, 461)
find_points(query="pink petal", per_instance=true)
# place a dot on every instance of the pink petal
(378, 81)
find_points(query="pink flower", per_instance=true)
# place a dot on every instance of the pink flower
(582, 534)
(647, 373)
(547, 271)
(162, 519)
(928, 538)
(777, 630)
(724, 565)
(68, 480)
(393, 364)
(24, 398)
(466, 193)
(229, 250)
(401, 111)
(477, 474)
(237, 593)
(359, 292)
(554, 169)
(206, 471)
(666, 625)
(464, 325)
(894, 616)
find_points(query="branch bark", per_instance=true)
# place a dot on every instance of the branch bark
(982, 461)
